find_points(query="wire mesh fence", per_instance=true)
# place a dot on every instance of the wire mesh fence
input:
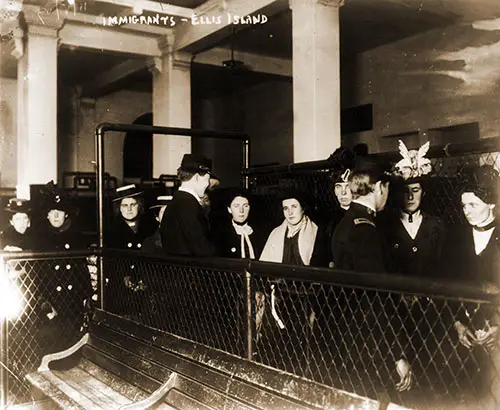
(352, 338)
(344, 330)
(198, 303)
(339, 329)
(44, 300)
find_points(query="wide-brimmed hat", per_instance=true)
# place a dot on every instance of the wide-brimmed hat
(17, 205)
(197, 164)
(127, 191)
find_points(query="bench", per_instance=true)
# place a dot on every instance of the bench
(121, 364)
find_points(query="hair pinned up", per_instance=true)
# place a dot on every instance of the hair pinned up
(483, 181)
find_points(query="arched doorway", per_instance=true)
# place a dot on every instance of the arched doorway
(138, 152)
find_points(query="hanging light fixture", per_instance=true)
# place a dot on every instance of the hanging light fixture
(232, 63)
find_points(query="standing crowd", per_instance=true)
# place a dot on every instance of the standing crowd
(358, 236)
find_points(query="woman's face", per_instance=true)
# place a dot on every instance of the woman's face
(239, 209)
(56, 217)
(20, 221)
(293, 211)
(343, 194)
(129, 208)
(412, 197)
(475, 210)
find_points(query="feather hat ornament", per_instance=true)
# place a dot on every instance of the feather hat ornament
(414, 164)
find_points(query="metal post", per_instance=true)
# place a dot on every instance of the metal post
(246, 161)
(99, 147)
(3, 349)
(3, 363)
(249, 313)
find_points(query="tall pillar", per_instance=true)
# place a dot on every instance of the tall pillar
(316, 78)
(37, 102)
(171, 106)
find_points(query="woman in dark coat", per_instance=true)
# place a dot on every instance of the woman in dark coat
(130, 227)
(473, 251)
(343, 161)
(234, 237)
(66, 288)
(18, 236)
(473, 254)
(60, 230)
(414, 237)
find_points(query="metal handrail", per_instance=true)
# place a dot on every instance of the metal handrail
(450, 288)
(439, 151)
(29, 255)
(445, 288)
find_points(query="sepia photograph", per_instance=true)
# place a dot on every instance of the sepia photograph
(249, 204)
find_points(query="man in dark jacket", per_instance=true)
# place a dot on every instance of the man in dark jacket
(184, 227)
(356, 244)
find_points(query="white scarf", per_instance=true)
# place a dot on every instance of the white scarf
(244, 231)
(273, 251)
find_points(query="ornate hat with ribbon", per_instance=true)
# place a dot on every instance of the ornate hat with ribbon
(342, 164)
(414, 164)
(53, 197)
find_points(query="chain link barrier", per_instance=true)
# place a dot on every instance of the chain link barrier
(336, 328)
(44, 304)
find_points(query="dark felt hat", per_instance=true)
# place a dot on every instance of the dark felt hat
(127, 191)
(53, 197)
(342, 161)
(197, 164)
(295, 193)
(59, 202)
(235, 192)
(17, 205)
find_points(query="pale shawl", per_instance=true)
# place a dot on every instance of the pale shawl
(273, 250)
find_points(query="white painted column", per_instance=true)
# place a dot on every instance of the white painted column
(37, 103)
(316, 78)
(171, 106)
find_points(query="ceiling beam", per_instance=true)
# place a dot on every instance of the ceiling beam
(108, 39)
(196, 37)
(152, 6)
(108, 79)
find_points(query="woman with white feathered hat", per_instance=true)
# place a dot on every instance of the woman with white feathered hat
(414, 237)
